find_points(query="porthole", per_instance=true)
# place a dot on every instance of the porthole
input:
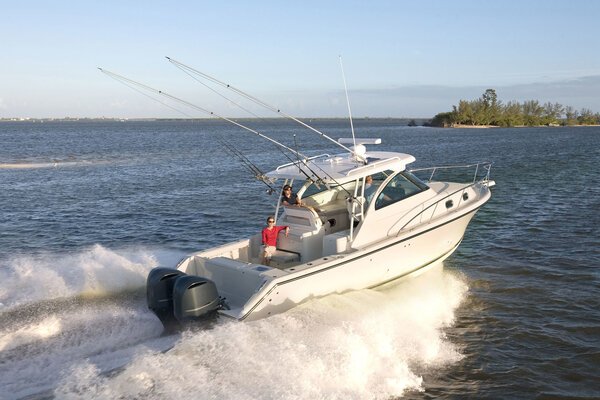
(449, 204)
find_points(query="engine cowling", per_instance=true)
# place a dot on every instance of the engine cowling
(193, 297)
(159, 294)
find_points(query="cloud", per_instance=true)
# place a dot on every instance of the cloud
(428, 100)
(582, 91)
(408, 101)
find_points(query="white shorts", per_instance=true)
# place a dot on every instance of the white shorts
(268, 250)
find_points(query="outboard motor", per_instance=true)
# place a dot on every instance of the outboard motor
(159, 294)
(193, 297)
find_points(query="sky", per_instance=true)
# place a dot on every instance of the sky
(400, 58)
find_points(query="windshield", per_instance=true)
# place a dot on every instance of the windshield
(399, 188)
(312, 189)
(318, 187)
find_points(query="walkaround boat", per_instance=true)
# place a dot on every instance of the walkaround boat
(365, 220)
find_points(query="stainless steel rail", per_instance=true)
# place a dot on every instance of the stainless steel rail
(484, 180)
(484, 165)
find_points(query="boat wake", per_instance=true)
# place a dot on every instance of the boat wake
(93, 272)
(34, 165)
(59, 309)
(55, 163)
(97, 339)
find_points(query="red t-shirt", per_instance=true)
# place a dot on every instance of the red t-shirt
(269, 236)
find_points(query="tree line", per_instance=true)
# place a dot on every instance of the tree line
(488, 110)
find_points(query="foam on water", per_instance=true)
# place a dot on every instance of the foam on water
(36, 165)
(531, 257)
(96, 271)
(54, 163)
(108, 335)
(60, 309)
(68, 320)
(366, 344)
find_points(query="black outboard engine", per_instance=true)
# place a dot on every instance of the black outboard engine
(159, 294)
(193, 297)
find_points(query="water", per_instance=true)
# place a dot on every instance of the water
(88, 208)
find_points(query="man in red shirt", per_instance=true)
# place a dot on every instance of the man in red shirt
(269, 239)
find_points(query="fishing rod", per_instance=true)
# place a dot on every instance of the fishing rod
(182, 66)
(245, 160)
(253, 168)
(296, 146)
(310, 169)
(258, 173)
(280, 146)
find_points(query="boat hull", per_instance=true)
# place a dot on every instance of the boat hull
(402, 256)
(253, 291)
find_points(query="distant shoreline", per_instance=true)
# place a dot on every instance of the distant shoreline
(410, 122)
(107, 119)
(461, 126)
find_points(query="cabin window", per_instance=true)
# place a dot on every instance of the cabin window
(371, 189)
(410, 176)
(399, 188)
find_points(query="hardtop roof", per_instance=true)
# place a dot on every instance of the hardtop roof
(342, 167)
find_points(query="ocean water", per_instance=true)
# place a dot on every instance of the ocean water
(88, 208)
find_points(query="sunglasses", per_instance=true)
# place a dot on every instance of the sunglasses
(271, 221)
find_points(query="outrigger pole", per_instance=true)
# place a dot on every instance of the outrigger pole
(131, 83)
(187, 68)
(187, 103)
(219, 93)
(260, 176)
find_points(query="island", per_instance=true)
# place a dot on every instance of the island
(488, 111)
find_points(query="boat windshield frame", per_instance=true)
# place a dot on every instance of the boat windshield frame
(390, 194)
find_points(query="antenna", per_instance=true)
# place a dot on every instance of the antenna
(348, 102)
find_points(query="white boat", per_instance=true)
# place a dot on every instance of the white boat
(344, 237)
